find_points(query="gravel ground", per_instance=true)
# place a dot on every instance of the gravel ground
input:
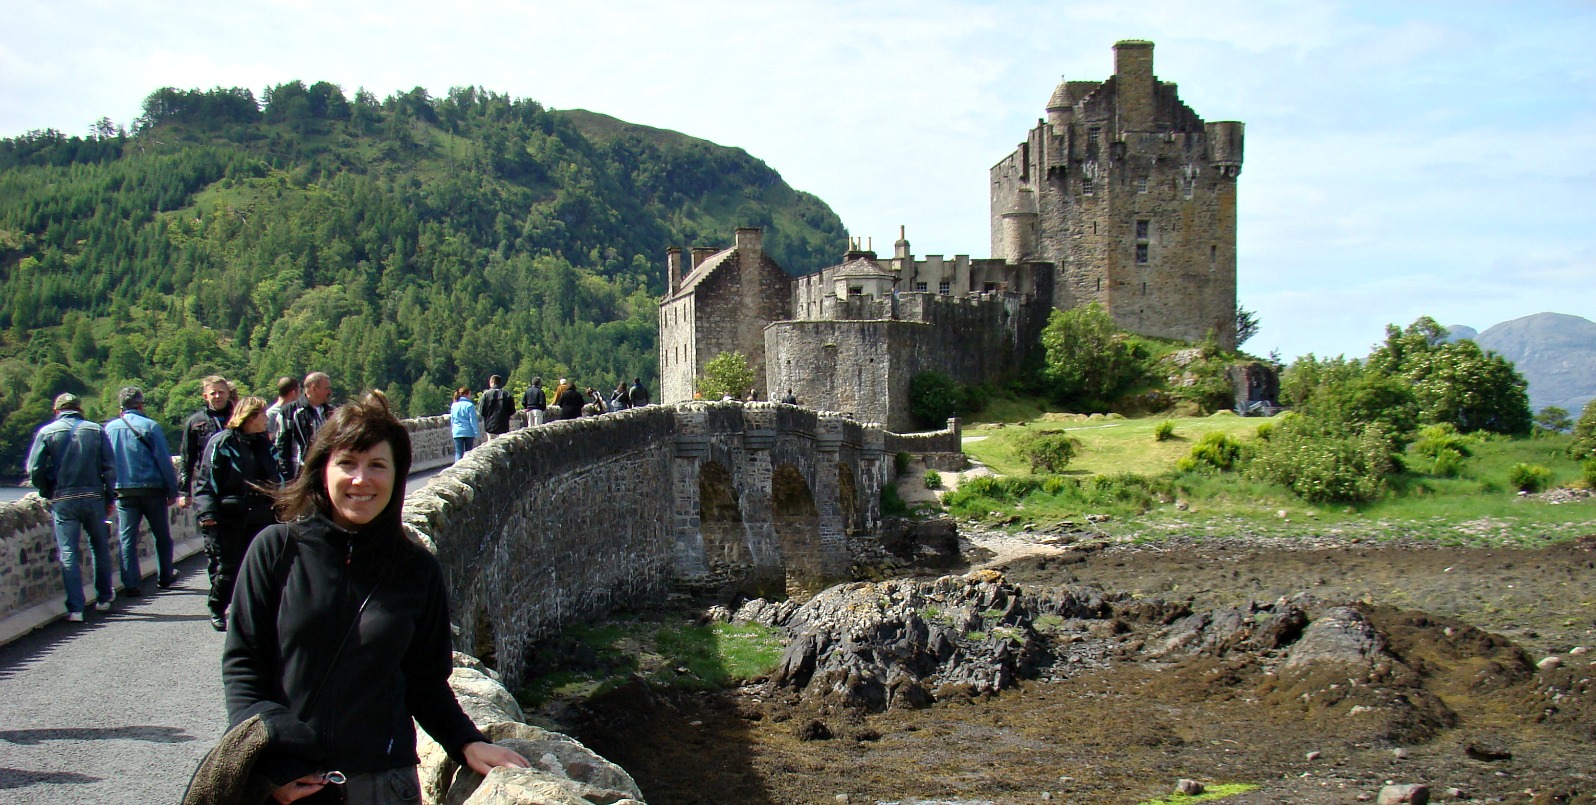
(1126, 734)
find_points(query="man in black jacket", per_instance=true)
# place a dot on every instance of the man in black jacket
(534, 402)
(301, 419)
(496, 406)
(198, 429)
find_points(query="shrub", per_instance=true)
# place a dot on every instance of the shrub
(1444, 437)
(933, 397)
(1589, 467)
(1446, 463)
(1164, 431)
(1584, 445)
(900, 461)
(1089, 359)
(933, 479)
(726, 374)
(1529, 477)
(1321, 466)
(1049, 452)
(1214, 451)
(891, 504)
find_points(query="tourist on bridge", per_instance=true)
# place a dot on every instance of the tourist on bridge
(198, 430)
(340, 629)
(287, 393)
(146, 485)
(70, 464)
(595, 403)
(232, 498)
(638, 396)
(301, 419)
(620, 398)
(534, 403)
(570, 401)
(789, 398)
(464, 423)
(496, 407)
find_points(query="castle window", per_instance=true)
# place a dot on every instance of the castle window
(1141, 254)
(990, 287)
(1213, 257)
(1189, 185)
(1086, 187)
(1144, 289)
(943, 288)
(1141, 185)
(1142, 227)
(919, 287)
(856, 290)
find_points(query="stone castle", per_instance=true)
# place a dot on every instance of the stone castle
(1121, 196)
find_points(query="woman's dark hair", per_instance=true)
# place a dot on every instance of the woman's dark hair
(359, 426)
(461, 392)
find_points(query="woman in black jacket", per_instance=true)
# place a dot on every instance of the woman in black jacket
(232, 497)
(340, 626)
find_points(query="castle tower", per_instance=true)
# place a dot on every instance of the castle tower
(1132, 197)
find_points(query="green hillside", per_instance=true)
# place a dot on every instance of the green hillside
(411, 244)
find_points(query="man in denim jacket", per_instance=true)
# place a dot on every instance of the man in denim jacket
(70, 464)
(146, 485)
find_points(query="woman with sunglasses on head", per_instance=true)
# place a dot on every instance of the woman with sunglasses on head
(340, 631)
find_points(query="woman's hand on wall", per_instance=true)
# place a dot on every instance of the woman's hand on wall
(484, 757)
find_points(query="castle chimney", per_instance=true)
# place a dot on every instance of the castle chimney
(750, 239)
(1134, 81)
(701, 253)
(673, 267)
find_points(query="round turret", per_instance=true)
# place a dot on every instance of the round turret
(1061, 107)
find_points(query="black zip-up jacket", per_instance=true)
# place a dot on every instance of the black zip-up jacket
(197, 432)
(299, 590)
(496, 406)
(223, 491)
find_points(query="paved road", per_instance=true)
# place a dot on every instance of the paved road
(118, 709)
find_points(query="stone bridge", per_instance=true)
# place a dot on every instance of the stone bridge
(566, 522)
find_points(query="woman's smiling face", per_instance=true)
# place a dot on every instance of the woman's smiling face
(359, 484)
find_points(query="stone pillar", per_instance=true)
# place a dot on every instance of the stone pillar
(690, 560)
(833, 531)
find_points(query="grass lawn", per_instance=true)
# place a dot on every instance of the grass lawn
(1478, 506)
(1108, 445)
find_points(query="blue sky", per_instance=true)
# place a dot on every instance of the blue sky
(1403, 159)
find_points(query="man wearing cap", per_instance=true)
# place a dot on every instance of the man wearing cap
(146, 485)
(70, 464)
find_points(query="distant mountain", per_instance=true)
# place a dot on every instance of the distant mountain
(1555, 352)
(1460, 332)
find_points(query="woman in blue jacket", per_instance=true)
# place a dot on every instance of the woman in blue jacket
(464, 422)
